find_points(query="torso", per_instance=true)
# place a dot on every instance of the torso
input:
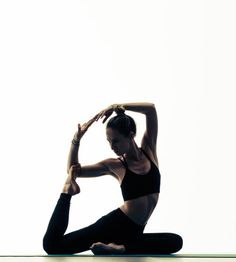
(145, 203)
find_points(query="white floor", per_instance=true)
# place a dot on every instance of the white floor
(87, 258)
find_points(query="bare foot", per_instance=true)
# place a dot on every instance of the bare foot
(100, 248)
(70, 186)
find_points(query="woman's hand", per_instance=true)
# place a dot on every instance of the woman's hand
(75, 170)
(119, 109)
(82, 129)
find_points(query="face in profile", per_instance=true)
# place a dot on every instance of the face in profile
(119, 143)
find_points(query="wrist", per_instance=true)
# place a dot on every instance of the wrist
(114, 106)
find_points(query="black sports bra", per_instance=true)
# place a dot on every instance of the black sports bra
(134, 185)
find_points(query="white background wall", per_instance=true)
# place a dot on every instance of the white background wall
(61, 62)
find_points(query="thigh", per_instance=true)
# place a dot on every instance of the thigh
(167, 237)
(161, 243)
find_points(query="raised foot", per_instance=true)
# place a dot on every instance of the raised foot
(70, 186)
(100, 248)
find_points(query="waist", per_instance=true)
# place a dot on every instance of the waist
(140, 209)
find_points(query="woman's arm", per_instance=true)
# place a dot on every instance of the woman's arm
(104, 167)
(73, 155)
(149, 110)
(74, 149)
(141, 107)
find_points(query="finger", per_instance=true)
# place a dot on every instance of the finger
(108, 114)
(105, 119)
(89, 123)
(97, 117)
(100, 115)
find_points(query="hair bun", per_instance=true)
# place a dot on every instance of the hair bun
(120, 110)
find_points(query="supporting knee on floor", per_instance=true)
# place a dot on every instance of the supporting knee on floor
(49, 247)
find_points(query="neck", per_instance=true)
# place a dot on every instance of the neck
(134, 153)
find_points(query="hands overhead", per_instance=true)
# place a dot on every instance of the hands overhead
(107, 112)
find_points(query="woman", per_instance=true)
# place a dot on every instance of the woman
(136, 169)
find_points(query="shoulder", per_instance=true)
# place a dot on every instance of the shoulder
(151, 153)
(115, 167)
(110, 162)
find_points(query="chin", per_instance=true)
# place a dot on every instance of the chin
(117, 153)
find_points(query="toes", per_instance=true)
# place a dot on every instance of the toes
(99, 248)
(95, 244)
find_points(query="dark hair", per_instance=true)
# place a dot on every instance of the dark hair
(122, 123)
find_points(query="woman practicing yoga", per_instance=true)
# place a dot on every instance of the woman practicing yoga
(136, 169)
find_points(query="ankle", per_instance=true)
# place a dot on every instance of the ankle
(65, 191)
(66, 197)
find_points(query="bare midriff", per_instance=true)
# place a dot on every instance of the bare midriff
(140, 209)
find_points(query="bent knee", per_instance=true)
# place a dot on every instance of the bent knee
(56, 247)
(51, 247)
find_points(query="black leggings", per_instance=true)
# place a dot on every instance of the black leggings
(115, 227)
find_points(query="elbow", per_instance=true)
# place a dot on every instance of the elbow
(152, 108)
